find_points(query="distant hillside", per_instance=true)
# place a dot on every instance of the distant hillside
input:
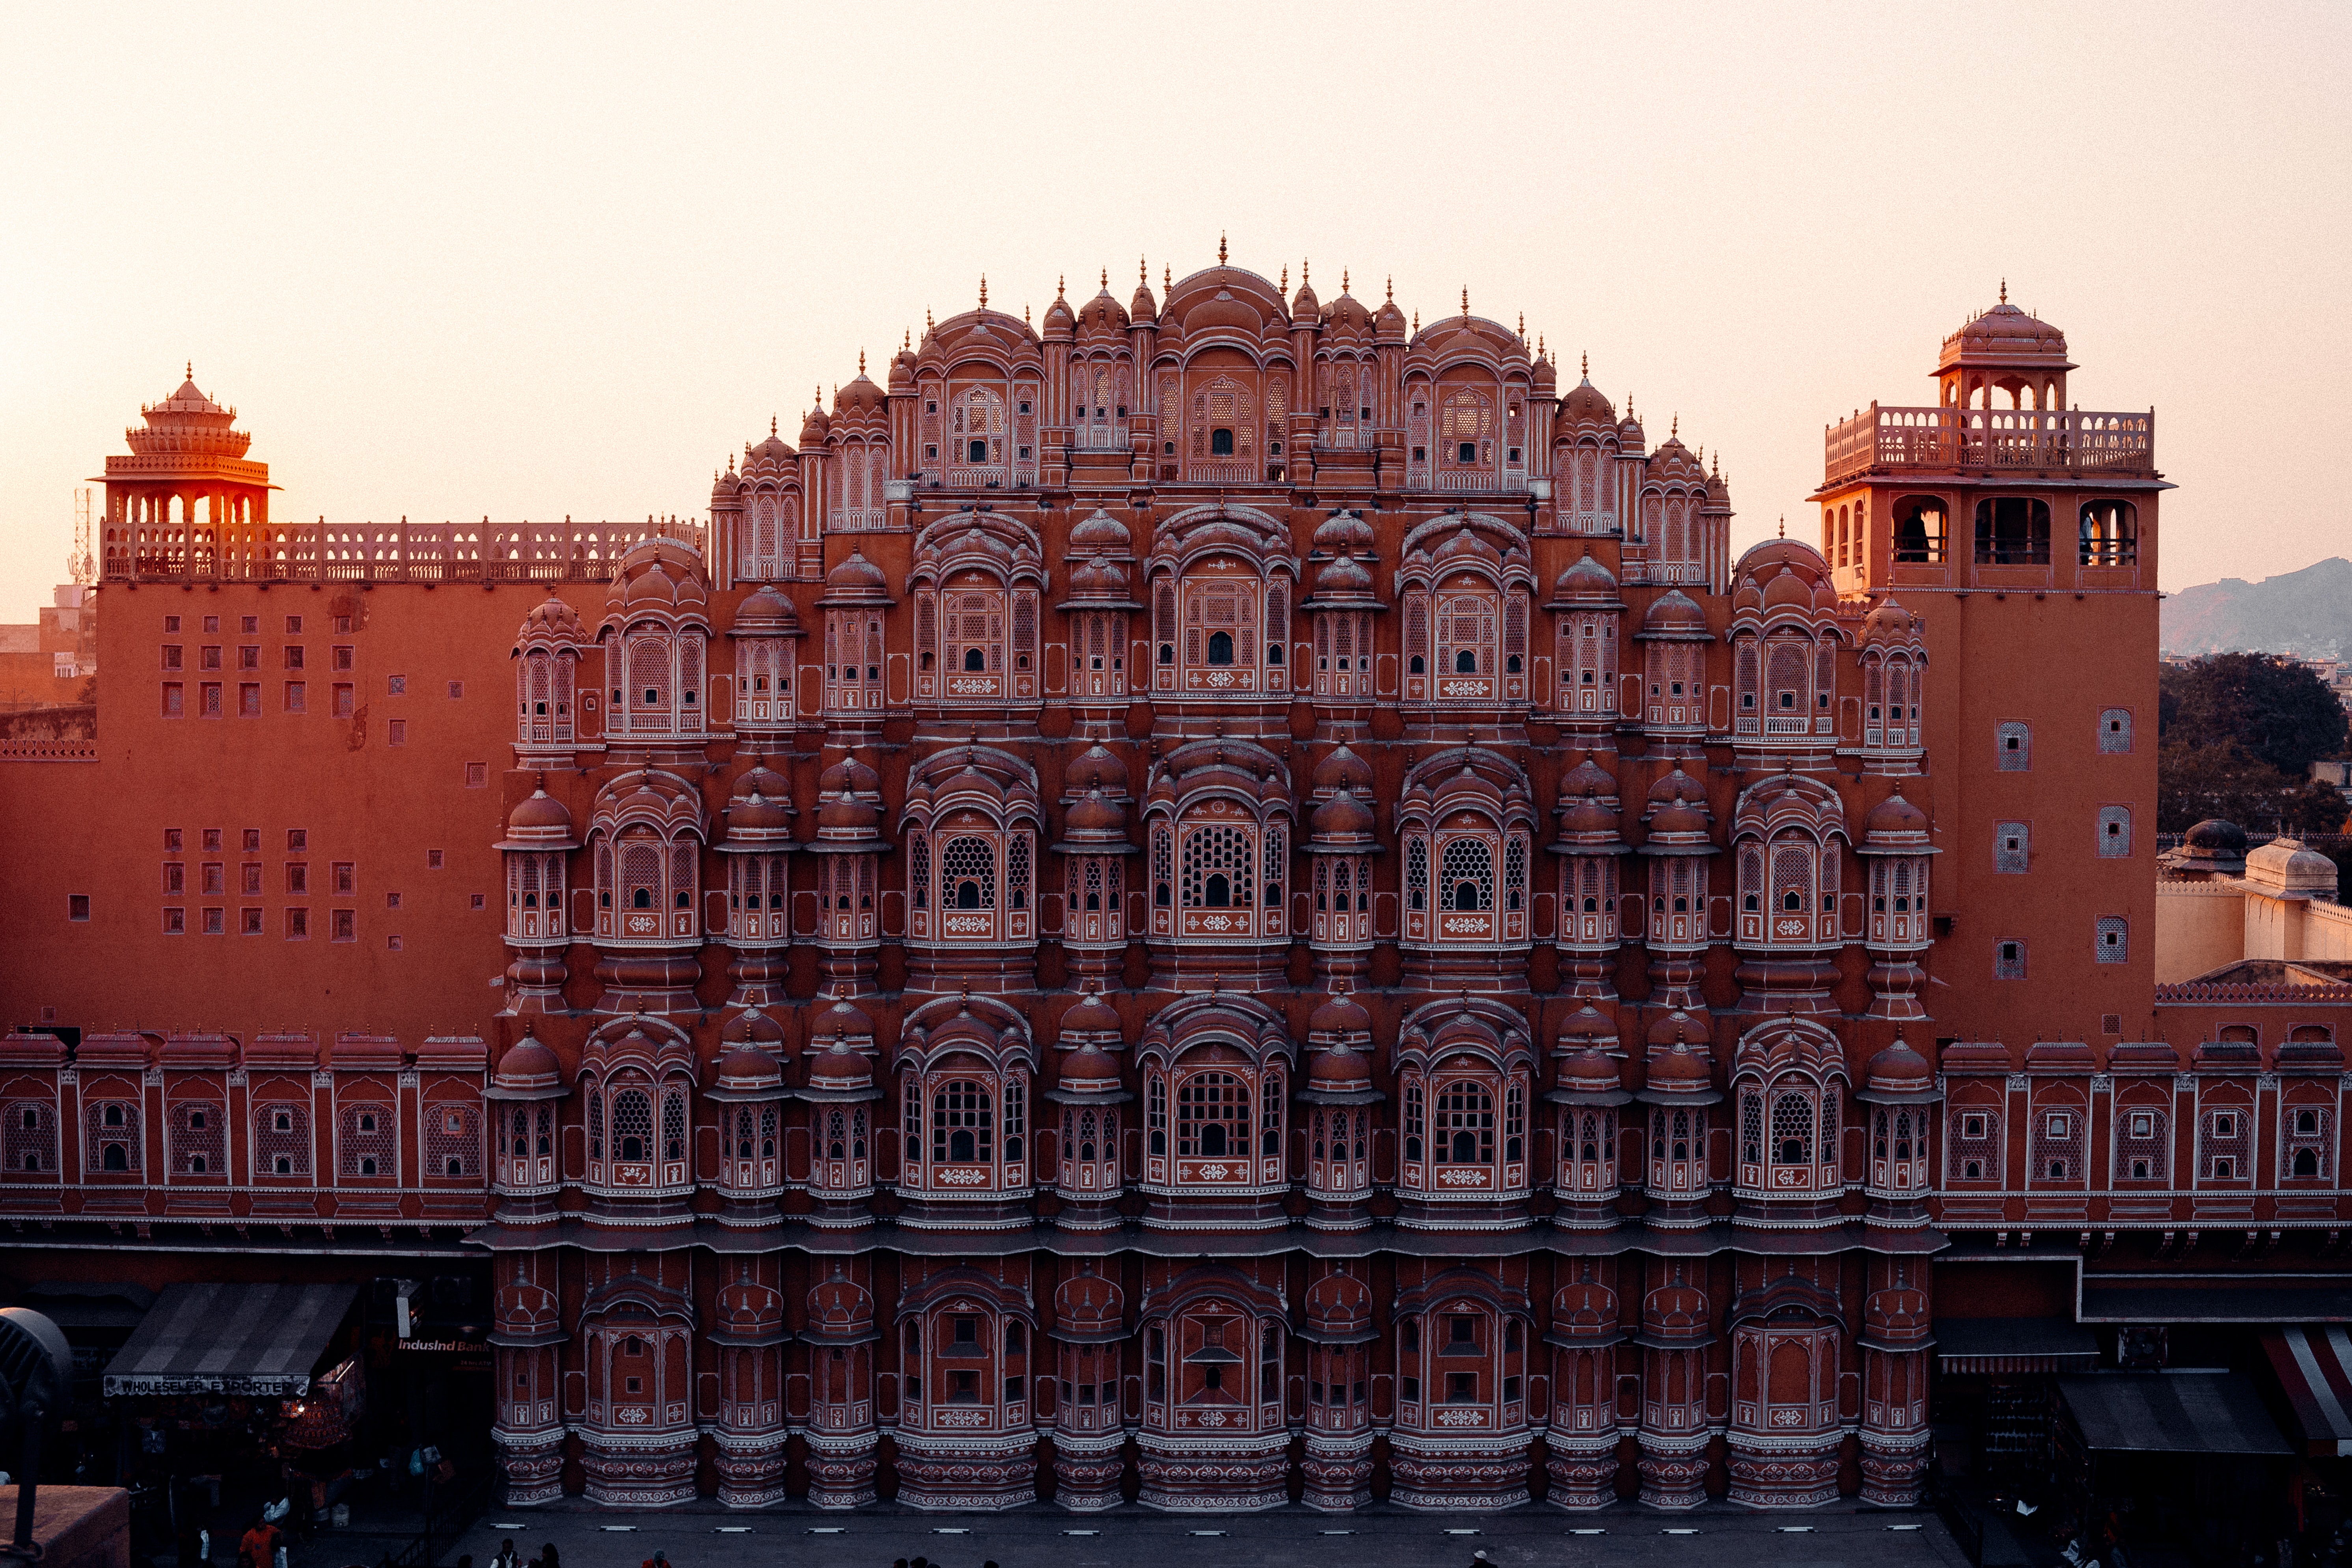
(2307, 613)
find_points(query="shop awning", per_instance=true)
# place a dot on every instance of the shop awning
(2314, 1367)
(1974, 1346)
(230, 1339)
(2171, 1413)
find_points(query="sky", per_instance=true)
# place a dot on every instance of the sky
(526, 262)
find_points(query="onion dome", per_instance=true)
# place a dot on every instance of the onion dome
(837, 1072)
(1585, 583)
(1096, 582)
(845, 817)
(655, 583)
(1678, 818)
(902, 366)
(1675, 1317)
(1588, 777)
(753, 1026)
(850, 776)
(1585, 405)
(1338, 1310)
(1102, 314)
(1091, 1019)
(1586, 1027)
(762, 779)
(1675, 615)
(775, 449)
(1305, 310)
(1339, 1019)
(846, 1022)
(1342, 820)
(1899, 1076)
(1544, 380)
(1590, 1076)
(1895, 826)
(1344, 577)
(1343, 533)
(1341, 1071)
(1629, 436)
(1341, 769)
(1589, 827)
(841, 1311)
(860, 396)
(755, 819)
(539, 822)
(1088, 1309)
(1094, 821)
(552, 619)
(1143, 307)
(816, 427)
(1099, 534)
(1388, 321)
(1098, 768)
(529, 1070)
(1889, 622)
(1679, 1028)
(2216, 834)
(749, 1315)
(856, 581)
(1059, 322)
(1787, 590)
(2003, 336)
(767, 613)
(747, 1068)
(1678, 1074)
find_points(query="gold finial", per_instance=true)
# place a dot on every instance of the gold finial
(983, 291)
(1584, 369)
(928, 329)
(1285, 284)
(1466, 301)
(1025, 312)
(1391, 287)
(1416, 318)
(1303, 275)
(1061, 286)
(1142, 272)
(192, 364)
(1106, 278)
(1221, 248)
(861, 362)
(2004, 299)
(771, 427)
(1784, 525)
(1676, 428)
(819, 395)
(1343, 281)
(909, 341)
(1167, 276)
(1523, 325)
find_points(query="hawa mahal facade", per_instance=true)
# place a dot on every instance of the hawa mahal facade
(1227, 898)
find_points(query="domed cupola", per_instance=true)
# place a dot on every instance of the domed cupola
(1587, 584)
(1100, 534)
(1341, 770)
(539, 822)
(528, 1070)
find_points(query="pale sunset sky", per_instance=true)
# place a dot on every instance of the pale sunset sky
(526, 261)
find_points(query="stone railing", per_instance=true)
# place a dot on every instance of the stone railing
(2067, 440)
(2193, 991)
(400, 552)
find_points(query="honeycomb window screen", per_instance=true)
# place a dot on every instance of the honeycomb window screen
(30, 1144)
(2013, 746)
(2225, 1145)
(2012, 846)
(1217, 864)
(199, 1146)
(967, 874)
(2056, 1145)
(281, 1140)
(453, 1142)
(2113, 942)
(1973, 1141)
(2143, 1143)
(2114, 833)
(2008, 959)
(2114, 730)
(110, 1134)
(366, 1149)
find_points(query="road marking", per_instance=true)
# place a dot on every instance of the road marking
(1082, 1532)
(943, 1530)
(1678, 1532)
(618, 1529)
(730, 1530)
(1204, 1532)
(506, 1524)
(1461, 1533)
(1335, 1533)
(1587, 1531)
(1795, 1529)
(1906, 1527)
(830, 1529)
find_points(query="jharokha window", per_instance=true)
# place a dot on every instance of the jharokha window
(645, 887)
(1213, 1368)
(1213, 1120)
(535, 896)
(1464, 1128)
(853, 661)
(1789, 1135)
(971, 881)
(1466, 880)
(1216, 872)
(1465, 642)
(964, 1368)
(1788, 891)
(967, 1128)
(1214, 616)
(1587, 663)
(976, 641)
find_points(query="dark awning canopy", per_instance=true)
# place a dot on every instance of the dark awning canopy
(231, 1339)
(2171, 1413)
(1977, 1346)
(2314, 1368)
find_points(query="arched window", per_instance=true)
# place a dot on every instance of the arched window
(1464, 1129)
(1919, 530)
(2109, 534)
(1227, 1122)
(1220, 643)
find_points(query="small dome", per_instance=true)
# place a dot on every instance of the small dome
(1341, 769)
(1340, 1305)
(753, 1026)
(1058, 316)
(1304, 306)
(1343, 816)
(1588, 777)
(539, 816)
(1087, 1304)
(1674, 615)
(840, 1309)
(1586, 1024)
(1787, 590)
(1890, 622)
(2216, 834)
(1585, 405)
(856, 577)
(528, 1067)
(1899, 1070)
(1584, 1309)
(766, 611)
(814, 428)
(774, 449)
(846, 816)
(1675, 1313)
(1343, 578)
(850, 775)
(843, 1021)
(838, 1069)
(1679, 1028)
(748, 1069)
(1092, 1015)
(1099, 534)
(1342, 1070)
(1588, 820)
(860, 396)
(757, 817)
(552, 615)
(1089, 1069)
(1339, 1014)
(1896, 818)
(1590, 1071)
(1586, 582)
(1098, 768)
(1343, 533)
(1095, 816)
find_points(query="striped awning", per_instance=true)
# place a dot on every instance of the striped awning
(219, 1337)
(2314, 1363)
(1978, 1347)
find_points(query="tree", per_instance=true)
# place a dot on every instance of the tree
(2237, 735)
(2274, 707)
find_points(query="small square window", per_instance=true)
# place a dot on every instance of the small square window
(298, 840)
(249, 623)
(172, 655)
(291, 656)
(298, 878)
(215, 923)
(248, 657)
(2112, 946)
(480, 901)
(216, 878)
(251, 840)
(77, 906)
(298, 697)
(171, 623)
(212, 840)
(298, 925)
(2055, 1124)
(1972, 1125)
(477, 775)
(344, 706)
(2009, 959)
(347, 878)
(395, 686)
(293, 625)
(392, 900)
(175, 877)
(249, 921)
(396, 732)
(347, 925)
(2013, 746)
(2114, 730)
(175, 922)
(392, 942)
(174, 700)
(2225, 1124)
(212, 623)
(2143, 1124)
(433, 859)
(456, 691)
(172, 840)
(343, 656)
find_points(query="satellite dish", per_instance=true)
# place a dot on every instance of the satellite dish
(35, 1382)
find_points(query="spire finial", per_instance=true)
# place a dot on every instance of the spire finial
(1285, 284)
(771, 423)
(861, 362)
(1391, 287)
(1584, 369)
(1142, 272)
(927, 321)
(1167, 276)
(1523, 325)
(2004, 294)
(1220, 248)
(1416, 318)
(1674, 429)
(983, 291)
(1784, 525)
(1305, 269)
(819, 395)
(1106, 278)
(1466, 301)
(192, 364)
(1343, 281)
(1061, 285)
(1025, 312)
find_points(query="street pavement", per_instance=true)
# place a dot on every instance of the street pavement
(704, 1536)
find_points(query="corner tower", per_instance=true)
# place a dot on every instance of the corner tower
(186, 501)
